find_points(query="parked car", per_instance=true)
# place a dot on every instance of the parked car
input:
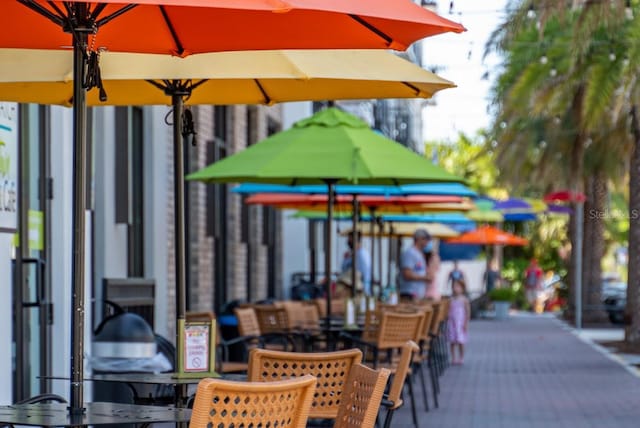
(614, 298)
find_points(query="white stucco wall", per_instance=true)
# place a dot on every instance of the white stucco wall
(6, 385)
(156, 170)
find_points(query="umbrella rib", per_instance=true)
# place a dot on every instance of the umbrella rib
(172, 30)
(372, 28)
(114, 15)
(58, 20)
(416, 90)
(267, 98)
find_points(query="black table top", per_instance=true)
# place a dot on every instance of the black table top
(149, 378)
(57, 415)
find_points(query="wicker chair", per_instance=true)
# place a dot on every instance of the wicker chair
(394, 330)
(401, 376)
(274, 324)
(361, 397)
(330, 368)
(222, 403)
(249, 325)
(420, 359)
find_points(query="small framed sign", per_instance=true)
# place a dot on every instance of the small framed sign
(197, 348)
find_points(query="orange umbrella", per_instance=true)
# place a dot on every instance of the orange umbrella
(379, 204)
(487, 235)
(184, 27)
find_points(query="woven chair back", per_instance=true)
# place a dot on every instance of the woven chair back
(247, 322)
(330, 368)
(226, 404)
(396, 329)
(437, 318)
(271, 319)
(361, 397)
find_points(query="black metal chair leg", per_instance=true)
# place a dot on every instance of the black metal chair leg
(414, 414)
(418, 368)
(435, 384)
(388, 417)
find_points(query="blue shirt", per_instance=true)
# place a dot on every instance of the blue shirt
(363, 266)
(413, 259)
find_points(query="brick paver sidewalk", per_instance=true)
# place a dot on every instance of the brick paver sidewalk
(528, 371)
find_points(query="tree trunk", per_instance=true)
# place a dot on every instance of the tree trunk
(576, 172)
(632, 333)
(597, 195)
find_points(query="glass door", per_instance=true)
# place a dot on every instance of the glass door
(32, 306)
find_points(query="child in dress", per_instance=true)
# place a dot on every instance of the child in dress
(458, 323)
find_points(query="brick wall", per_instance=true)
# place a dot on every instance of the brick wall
(201, 273)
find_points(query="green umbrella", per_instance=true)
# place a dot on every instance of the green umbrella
(329, 147)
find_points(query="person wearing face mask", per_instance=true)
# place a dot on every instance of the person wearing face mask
(414, 274)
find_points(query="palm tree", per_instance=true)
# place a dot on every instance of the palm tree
(565, 71)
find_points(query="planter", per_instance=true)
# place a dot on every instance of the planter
(502, 310)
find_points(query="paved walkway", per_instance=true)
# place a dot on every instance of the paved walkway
(530, 371)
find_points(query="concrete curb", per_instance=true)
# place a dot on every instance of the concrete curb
(601, 349)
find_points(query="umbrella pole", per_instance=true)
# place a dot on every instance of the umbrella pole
(178, 200)
(372, 228)
(380, 251)
(76, 396)
(327, 250)
(390, 239)
(354, 245)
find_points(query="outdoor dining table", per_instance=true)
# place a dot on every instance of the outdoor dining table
(58, 415)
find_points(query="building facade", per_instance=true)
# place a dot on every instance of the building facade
(233, 252)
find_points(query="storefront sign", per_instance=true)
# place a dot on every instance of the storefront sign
(8, 167)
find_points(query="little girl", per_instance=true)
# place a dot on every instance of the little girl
(458, 323)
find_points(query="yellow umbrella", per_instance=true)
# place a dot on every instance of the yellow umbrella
(248, 77)
(437, 230)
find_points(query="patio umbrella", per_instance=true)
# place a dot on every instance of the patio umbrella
(436, 230)
(245, 77)
(183, 27)
(487, 235)
(224, 78)
(446, 189)
(330, 147)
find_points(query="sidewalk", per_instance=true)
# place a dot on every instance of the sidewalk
(531, 371)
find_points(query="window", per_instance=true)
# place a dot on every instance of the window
(129, 184)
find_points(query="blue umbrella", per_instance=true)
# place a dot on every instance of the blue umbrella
(451, 189)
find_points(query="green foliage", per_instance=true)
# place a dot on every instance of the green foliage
(505, 294)
(467, 158)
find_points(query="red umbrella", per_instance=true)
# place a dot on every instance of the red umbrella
(370, 201)
(487, 235)
(565, 196)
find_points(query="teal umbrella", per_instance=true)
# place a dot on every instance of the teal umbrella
(330, 147)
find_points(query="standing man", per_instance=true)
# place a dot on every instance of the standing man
(533, 283)
(363, 263)
(414, 277)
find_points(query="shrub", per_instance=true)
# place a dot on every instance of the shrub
(502, 294)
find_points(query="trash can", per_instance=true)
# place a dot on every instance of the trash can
(126, 343)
